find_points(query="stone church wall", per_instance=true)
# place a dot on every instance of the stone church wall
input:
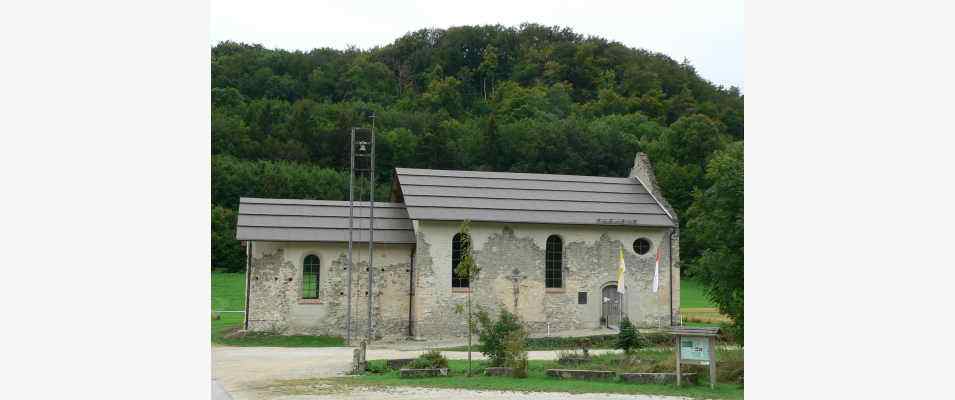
(511, 259)
(276, 304)
(590, 263)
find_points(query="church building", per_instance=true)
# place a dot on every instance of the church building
(548, 248)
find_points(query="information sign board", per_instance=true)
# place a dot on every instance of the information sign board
(695, 348)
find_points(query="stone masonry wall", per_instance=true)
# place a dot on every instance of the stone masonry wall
(275, 290)
(643, 171)
(506, 251)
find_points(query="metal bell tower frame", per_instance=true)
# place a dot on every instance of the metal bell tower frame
(362, 153)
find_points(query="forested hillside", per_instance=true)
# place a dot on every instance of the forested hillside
(523, 99)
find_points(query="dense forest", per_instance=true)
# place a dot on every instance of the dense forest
(530, 98)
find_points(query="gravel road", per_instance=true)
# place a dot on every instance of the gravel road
(250, 372)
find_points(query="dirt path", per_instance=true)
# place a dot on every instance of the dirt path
(247, 372)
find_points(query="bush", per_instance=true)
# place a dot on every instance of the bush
(560, 342)
(494, 333)
(429, 360)
(376, 367)
(732, 333)
(515, 354)
(566, 356)
(572, 357)
(628, 339)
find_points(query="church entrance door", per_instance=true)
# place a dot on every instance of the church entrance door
(610, 308)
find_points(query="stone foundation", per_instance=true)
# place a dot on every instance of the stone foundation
(498, 371)
(659, 378)
(582, 374)
(422, 373)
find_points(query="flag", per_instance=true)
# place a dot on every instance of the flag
(656, 272)
(621, 269)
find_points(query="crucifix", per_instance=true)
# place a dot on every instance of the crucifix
(516, 279)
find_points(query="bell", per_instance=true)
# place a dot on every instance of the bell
(361, 146)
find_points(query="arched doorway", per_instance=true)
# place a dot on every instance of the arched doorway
(610, 306)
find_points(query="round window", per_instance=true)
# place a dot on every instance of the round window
(641, 246)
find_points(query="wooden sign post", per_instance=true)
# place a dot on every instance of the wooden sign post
(695, 346)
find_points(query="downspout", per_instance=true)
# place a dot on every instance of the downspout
(670, 256)
(248, 280)
(411, 284)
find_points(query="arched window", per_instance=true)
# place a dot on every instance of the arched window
(457, 253)
(310, 275)
(553, 265)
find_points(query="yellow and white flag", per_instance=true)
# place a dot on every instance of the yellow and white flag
(621, 269)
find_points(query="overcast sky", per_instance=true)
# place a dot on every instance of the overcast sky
(708, 33)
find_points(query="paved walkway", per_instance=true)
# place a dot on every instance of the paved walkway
(219, 392)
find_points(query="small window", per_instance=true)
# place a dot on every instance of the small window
(310, 277)
(581, 297)
(458, 245)
(641, 246)
(553, 265)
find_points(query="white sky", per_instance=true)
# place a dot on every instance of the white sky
(708, 33)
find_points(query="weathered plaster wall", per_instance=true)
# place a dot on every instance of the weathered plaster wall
(643, 171)
(590, 263)
(276, 279)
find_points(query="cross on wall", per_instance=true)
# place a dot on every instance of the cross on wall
(516, 279)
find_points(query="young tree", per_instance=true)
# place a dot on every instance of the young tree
(716, 221)
(628, 339)
(494, 333)
(467, 268)
(488, 69)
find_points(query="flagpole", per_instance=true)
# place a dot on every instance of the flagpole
(623, 284)
(623, 305)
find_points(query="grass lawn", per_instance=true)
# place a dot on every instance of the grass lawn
(228, 294)
(693, 295)
(538, 380)
(228, 291)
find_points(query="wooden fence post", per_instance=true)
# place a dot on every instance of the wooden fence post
(677, 351)
(712, 340)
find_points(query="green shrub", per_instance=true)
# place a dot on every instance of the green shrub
(731, 333)
(377, 367)
(628, 339)
(572, 357)
(515, 354)
(564, 355)
(493, 334)
(561, 342)
(431, 359)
